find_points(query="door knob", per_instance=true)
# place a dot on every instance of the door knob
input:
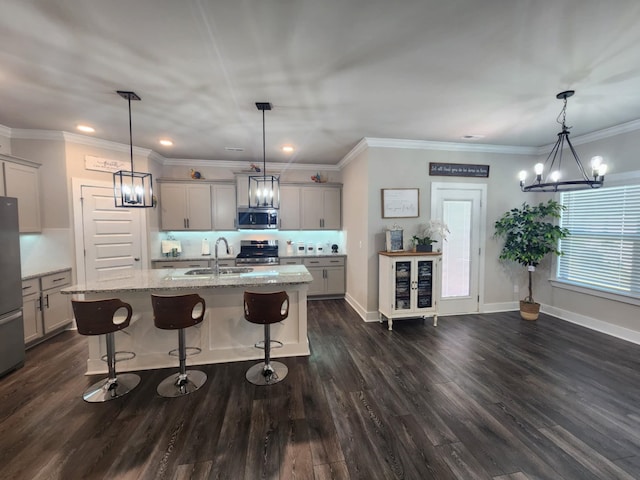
(136, 259)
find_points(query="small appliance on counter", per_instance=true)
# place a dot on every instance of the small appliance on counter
(334, 248)
(301, 248)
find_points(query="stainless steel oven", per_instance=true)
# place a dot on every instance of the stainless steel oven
(258, 252)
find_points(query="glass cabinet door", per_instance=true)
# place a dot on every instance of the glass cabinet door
(403, 285)
(425, 286)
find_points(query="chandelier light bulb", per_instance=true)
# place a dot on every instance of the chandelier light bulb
(555, 176)
(523, 175)
(538, 168)
(596, 162)
(602, 170)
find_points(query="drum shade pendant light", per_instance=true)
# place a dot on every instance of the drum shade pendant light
(264, 190)
(132, 189)
(549, 177)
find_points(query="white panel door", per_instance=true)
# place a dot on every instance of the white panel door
(112, 236)
(460, 207)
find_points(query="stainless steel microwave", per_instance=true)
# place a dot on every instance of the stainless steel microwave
(257, 218)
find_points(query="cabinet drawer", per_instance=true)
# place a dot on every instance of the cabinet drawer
(56, 280)
(324, 262)
(181, 264)
(290, 261)
(30, 287)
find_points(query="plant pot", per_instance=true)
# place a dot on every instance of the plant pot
(424, 248)
(529, 311)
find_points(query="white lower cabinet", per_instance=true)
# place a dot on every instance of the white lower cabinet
(45, 309)
(328, 276)
(409, 286)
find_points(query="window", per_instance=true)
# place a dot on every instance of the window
(603, 250)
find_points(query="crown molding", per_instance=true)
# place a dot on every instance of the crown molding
(628, 127)
(240, 165)
(360, 147)
(448, 146)
(28, 134)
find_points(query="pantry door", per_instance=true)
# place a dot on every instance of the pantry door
(462, 208)
(112, 238)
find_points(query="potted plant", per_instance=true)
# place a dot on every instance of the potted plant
(423, 240)
(529, 236)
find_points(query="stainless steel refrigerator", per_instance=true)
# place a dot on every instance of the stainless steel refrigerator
(11, 323)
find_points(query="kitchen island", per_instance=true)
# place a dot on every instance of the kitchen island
(223, 336)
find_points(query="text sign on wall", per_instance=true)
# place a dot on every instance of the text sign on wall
(105, 164)
(458, 170)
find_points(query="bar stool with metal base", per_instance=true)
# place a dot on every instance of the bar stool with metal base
(177, 313)
(265, 309)
(99, 317)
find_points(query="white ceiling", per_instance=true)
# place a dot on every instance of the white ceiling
(334, 70)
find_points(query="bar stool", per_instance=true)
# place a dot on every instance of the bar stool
(177, 313)
(100, 317)
(265, 309)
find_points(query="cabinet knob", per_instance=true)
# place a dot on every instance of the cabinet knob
(137, 259)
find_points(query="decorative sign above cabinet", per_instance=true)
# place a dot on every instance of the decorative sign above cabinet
(458, 170)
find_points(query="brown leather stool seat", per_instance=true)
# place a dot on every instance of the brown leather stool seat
(178, 313)
(265, 309)
(99, 317)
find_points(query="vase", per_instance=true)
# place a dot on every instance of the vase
(424, 248)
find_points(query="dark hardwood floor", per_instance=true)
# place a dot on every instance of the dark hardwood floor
(478, 397)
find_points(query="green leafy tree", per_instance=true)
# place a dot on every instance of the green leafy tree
(529, 235)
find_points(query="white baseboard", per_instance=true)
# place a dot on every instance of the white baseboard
(499, 307)
(623, 333)
(360, 310)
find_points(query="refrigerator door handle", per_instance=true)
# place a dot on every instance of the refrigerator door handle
(11, 317)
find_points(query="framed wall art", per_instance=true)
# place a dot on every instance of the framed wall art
(400, 202)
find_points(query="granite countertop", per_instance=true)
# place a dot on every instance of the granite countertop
(31, 275)
(233, 257)
(175, 279)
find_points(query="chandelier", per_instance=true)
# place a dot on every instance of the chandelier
(264, 190)
(132, 189)
(549, 176)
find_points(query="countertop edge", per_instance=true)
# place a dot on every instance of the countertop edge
(31, 276)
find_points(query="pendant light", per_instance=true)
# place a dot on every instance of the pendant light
(132, 189)
(264, 190)
(549, 176)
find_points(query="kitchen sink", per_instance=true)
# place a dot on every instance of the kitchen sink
(222, 271)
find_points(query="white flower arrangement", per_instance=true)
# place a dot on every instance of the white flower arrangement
(427, 232)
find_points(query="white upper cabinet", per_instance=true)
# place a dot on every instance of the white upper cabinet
(224, 206)
(321, 208)
(185, 206)
(21, 181)
(289, 207)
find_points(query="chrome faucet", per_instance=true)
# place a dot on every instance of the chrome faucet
(216, 266)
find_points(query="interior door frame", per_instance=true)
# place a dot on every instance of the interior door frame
(78, 225)
(482, 220)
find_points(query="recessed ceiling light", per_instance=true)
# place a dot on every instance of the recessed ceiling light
(472, 137)
(234, 149)
(166, 142)
(287, 149)
(86, 128)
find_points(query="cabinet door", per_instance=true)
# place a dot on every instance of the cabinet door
(424, 284)
(158, 264)
(289, 207)
(312, 208)
(31, 317)
(335, 284)
(332, 216)
(224, 207)
(22, 182)
(199, 207)
(2, 183)
(242, 190)
(317, 286)
(402, 285)
(56, 309)
(173, 206)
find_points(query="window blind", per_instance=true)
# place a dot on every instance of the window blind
(603, 249)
